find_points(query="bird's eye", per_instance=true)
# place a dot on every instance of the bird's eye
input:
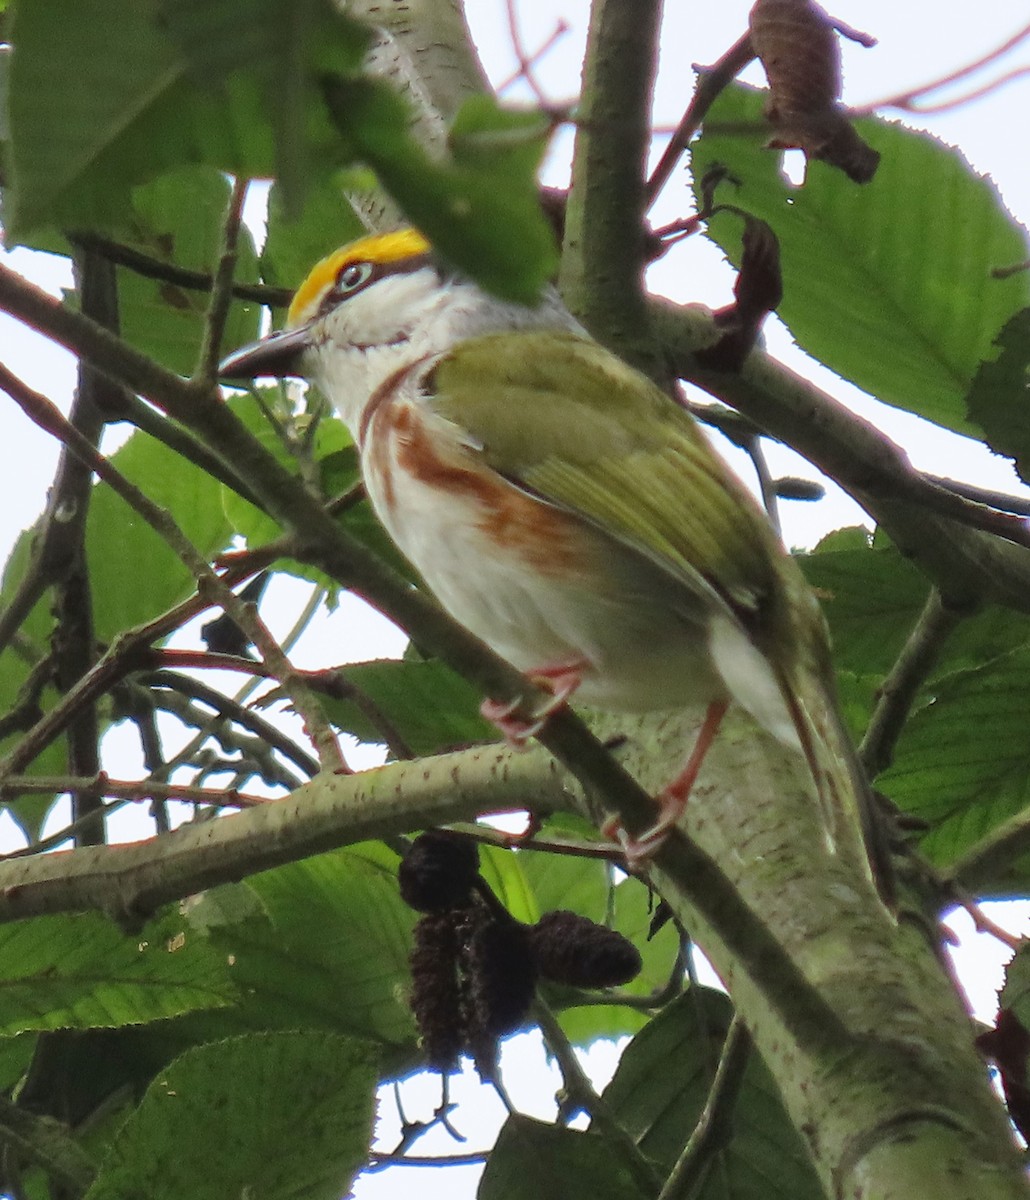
(353, 277)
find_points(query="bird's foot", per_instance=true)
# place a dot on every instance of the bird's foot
(534, 823)
(560, 679)
(671, 800)
(639, 851)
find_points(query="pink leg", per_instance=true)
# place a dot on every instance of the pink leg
(560, 679)
(672, 800)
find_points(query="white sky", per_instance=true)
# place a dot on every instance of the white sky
(918, 42)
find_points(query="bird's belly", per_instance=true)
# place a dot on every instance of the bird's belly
(544, 589)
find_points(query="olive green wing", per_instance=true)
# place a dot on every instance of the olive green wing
(561, 416)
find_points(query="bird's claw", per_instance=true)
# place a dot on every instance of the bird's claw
(561, 681)
(640, 851)
(517, 730)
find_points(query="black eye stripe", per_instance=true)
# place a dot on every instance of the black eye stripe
(355, 277)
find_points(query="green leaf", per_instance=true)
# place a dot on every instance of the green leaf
(536, 1161)
(16, 662)
(888, 284)
(481, 210)
(81, 972)
(503, 873)
(276, 1116)
(15, 1055)
(158, 579)
(428, 706)
(178, 220)
(333, 951)
(963, 762)
(999, 400)
(659, 1107)
(106, 96)
(294, 244)
(872, 597)
(5, 76)
(284, 47)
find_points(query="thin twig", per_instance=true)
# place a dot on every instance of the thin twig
(714, 1127)
(982, 922)
(471, 1158)
(1003, 501)
(128, 653)
(766, 482)
(49, 1144)
(583, 1096)
(48, 417)
(27, 710)
(710, 82)
(664, 994)
(121, 789)
(232, 710)
(993, 85)
(335, 683)
(1010, 270)
(571, 847)
(908, 101)
(529, 61)
(194, 281)
(983, 864)
(206, 371)
(898, 691)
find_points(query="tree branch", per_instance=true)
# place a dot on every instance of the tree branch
(581, 1095)
(898, 691)
(45, 414)
(604, 246)
(206, 373)
(194, 281)
(968, 565)
(49, 1145)
(713, 1130)
(710, 82)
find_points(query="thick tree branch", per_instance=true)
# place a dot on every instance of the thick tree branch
(968, 565)
(604, 250)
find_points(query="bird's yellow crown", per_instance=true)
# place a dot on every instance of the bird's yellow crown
(379, 248)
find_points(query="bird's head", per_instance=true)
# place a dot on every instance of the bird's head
(374, 307)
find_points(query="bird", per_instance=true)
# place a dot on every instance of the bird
(564, 508)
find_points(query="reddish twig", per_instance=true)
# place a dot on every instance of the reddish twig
(711, 81)
(136, 790)
(909, 101)
(528, 61)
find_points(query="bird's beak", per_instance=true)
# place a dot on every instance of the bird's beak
(277, 355)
